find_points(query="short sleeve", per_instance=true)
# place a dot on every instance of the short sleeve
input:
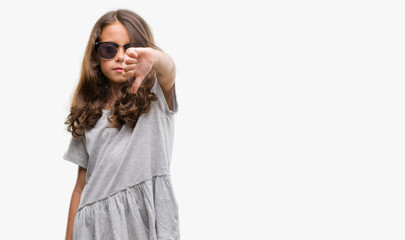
(157, 89)
(76, 152)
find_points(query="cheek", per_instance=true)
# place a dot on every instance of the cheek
(104, 66)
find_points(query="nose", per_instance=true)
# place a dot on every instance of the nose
(120, 53)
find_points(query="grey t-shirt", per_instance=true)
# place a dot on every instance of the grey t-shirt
(128, 192)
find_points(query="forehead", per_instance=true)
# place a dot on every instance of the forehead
(115, 32)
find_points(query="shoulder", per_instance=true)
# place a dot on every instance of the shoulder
(167, 86)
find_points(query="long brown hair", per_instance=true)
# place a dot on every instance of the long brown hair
(93, 89)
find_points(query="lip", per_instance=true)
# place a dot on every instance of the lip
(118, 69)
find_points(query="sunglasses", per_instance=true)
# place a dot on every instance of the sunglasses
(107, 50)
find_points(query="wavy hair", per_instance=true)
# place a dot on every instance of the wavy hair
(93, 89)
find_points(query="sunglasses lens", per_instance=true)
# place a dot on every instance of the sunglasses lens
(107, 50)
(126, 47)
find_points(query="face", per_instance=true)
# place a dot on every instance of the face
(112, 68)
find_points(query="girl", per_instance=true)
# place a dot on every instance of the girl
(122, 124)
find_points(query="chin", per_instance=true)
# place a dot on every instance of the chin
(118, 80)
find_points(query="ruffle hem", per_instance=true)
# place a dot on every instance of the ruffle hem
(147, 210)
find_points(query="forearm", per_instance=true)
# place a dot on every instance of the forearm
(163, 64)
(74, 205)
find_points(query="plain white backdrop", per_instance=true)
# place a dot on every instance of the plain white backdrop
(290, 123)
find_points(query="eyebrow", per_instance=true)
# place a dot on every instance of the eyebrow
(115, 42)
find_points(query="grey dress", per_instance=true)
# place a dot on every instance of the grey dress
(128, 193)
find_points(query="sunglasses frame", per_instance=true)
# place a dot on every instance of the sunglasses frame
(126, 46)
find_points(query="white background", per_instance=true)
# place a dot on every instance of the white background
(290, 123)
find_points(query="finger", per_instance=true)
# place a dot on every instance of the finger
(132, 53)
(131, 60)
(129, 67)
(136, 84)
(128, 74)
(131, 49)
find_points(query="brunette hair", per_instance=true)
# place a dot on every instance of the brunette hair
(93, 89)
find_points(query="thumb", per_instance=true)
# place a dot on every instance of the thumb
(136, 84)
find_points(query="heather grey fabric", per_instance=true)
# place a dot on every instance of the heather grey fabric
(128, 193)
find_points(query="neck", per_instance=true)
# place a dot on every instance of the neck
(114, 90)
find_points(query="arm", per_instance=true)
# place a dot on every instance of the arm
(166, 73)
(139, 61)
(75, 201)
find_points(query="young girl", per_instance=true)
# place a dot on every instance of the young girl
(122, 124)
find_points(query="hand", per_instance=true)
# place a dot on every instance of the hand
(138, 62)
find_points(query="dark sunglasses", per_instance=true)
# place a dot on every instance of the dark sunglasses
(107, 50)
